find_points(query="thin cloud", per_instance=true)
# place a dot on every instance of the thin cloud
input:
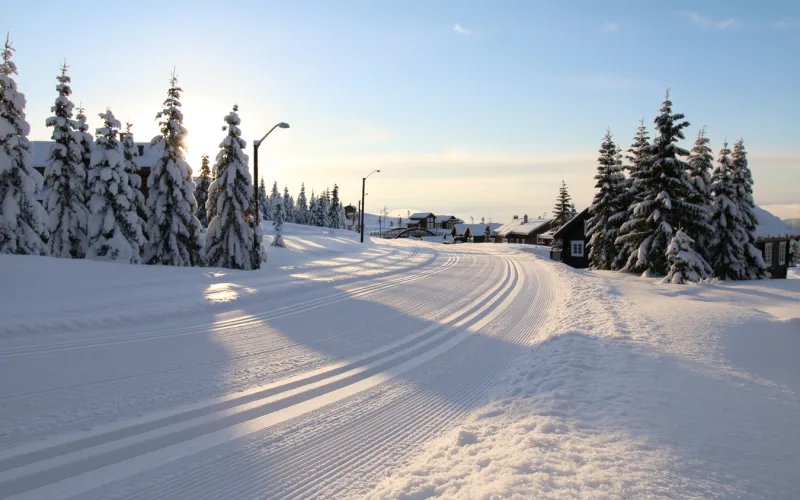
(707, 23)
(609, 28)
(461, 30)
(785, 24)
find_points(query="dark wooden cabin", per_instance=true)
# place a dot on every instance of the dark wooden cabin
(570, 242)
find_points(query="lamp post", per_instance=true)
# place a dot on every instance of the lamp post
(363, 208)
(256, 144)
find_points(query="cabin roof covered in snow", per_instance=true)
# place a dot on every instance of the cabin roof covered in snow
(769, 226)
(477, 229)
(520, 227)
(420, 215)
(42, 148)
(445, 218)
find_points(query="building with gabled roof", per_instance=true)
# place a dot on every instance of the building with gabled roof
(522, 230)
(773, 238)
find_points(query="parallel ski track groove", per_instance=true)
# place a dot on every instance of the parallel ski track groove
(492, 297)
(422, 405)
(287, 345)
(234, 323)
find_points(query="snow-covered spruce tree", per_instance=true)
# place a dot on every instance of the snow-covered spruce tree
(229, 239)
(288, 205)
(637, 158)
(262, 200)
(342, 217)
(701, 163)
(115, 231)
(173, 230)
(65, 178)
(301, 211)
(664, 192)
(610, 190)
(130, 152)
(685, 264)
(323, 208)
(729, 235)
(311, 218)
(333, 209)
(84, 140)
(201, 191)
(22, 218)
(277, 222)
(756, 269)
(564, 210)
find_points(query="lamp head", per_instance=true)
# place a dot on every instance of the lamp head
(283, 125)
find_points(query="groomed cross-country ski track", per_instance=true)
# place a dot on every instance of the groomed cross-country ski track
(314, 380)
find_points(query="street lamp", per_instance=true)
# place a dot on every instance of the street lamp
(363, 208)
(256, 144)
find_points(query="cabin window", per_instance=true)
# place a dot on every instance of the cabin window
(782, 253)
(768, 254)
(577, 248)
(140, 147)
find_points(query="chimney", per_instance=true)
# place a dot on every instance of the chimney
(525, 219)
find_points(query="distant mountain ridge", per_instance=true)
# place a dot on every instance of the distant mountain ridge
(792, 222)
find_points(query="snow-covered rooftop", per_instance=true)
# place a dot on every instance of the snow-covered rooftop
(520, 227)
(444, 218)
(420, 215)
(769, 226)
(476, 229)
(42, 148)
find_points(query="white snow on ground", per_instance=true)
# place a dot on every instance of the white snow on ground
(393, 369)
(637, 390)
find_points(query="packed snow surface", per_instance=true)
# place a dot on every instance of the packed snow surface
(392, 369)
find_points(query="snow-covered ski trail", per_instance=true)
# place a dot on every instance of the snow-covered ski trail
(420, 350)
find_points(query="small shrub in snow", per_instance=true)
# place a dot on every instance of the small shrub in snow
(22, 218)
(685, 263)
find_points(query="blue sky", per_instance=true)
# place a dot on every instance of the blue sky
(470, 108)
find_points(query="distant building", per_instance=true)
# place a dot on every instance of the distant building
(773, 238)
(441, 224)
(522, 230)
(474, 232)
(146, 160)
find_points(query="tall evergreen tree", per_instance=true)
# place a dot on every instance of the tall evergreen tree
(333, 209)
(342, 217)
(664, 191)
(115, 232)
(701, 164)
(301, 212)
(727, 247)
(311, 218)
(323, 204)
(130, 152)
(229, 239)
(755, 268)
(201, 191)
(84, 140)
(262, 198)
(637, 158)
(610, 189)
(564, 210)
(173, 230)
(288, 205)
(213, 195)
(65, 179)
(277, 219)
(22, 218)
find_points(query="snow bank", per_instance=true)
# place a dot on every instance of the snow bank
(635, 390)
(161, 292)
